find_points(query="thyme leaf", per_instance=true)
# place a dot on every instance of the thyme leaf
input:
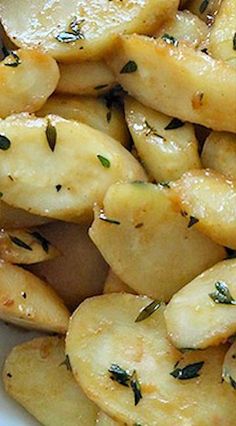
(222, 294)
(67, 363)
(189, 372)
(203, 6)
(18, 242)
(14, 60)
(170, 39)
(164, 184)
(128, 68)
(148, 310)
(103, 217)
(175, 123)
(234, 41)
(192, 221)
(136, 388)
(104, 161)
(151, 130)
(74, 34)
(119, 375)
(43, 241)
(5, 143)
(51, 135)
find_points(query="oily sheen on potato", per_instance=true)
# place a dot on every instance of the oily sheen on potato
(177, 80)
(37, 376)
(74, 30)
(167, 147)
(203, 313)
(29, 302)
(154, 249)
(26, 85)
(59, 168)
(103, 332)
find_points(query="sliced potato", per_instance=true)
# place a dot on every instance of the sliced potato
(103, 332)
(229, 366)
(185, 26)
(219, 153)
(35, 376)
(59, 168)
(27, 86)
(201, 313)
(80, 271)
(177, 80)
(113, 284)
(152, 251)
(222, 42)
(104, 420)
(27, 301)
(85, 78)
(13, 218)
(205, 9)
(91, 111)
(74, 30)
(165, 154)
(211, 199)
(22, 246)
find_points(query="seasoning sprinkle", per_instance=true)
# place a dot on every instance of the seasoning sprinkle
(104, 161)
(119, 375)
(151, 130)
(58, 187)
(189, 372)
(234, 41)
(192, 221)
(66, 363)
(13, 60)
(136, 388)
(222, 294)
(5, 143)
(103, 217)
(128, 68)
(51, 135)
(18, 242)
(44, 242)
(170, 39)
(148, 310)
(203, 6)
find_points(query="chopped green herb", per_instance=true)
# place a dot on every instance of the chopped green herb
(232, 382)
(151, 130)
(67, 363)
(58, 187)
(44, 242)
(100, 86)
(119, 375)
(114, 97)
(104, 161)
(189, 372)
(75, 27)
(128, 68)
(20, 243)
(66, 37)
(14, 60)
(148, 310)
(23, 294)
(222, 294)
(103, 217)
(192, 221)
(203, 6)
(51, 135)
(136, 388)
(170, 39)
(175, 123)
(205, 50)
(234, 41)
(74, 35)
(5, 143)
(164, 184)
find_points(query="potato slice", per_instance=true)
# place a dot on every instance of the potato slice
(177, 80)
(35, 376)
(229, 366)
(185, 26)
(153, 250)
(22, 246)
(202, 313)
(83, 29)
(113, 284)
(80, 271)
(59, 168)
(219, 153)
(27, 301)
(85, 78)
(103, 332)
(12, 218)
(27, 86)
(222, 41)
(104, 420)
(205, 9)
(166, 154)
(91, 111)
(210, 199)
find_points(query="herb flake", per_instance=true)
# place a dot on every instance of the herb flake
(192, 221)
(151, 130)
(203, 6)
(119, 375)
(51, 135)
(104, 161)
(222, 294)
(128, 68)
(13, 60)
(189, 372)
(18, 242)
(175, 123)
(170, 39)
(148, 310)
(66, 363)
(5, 143)
(136, 388)
(43, 241)
(103, 217)
(74, 34)
(234, 41)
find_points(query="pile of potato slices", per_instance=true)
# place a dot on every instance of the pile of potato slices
(118, 210)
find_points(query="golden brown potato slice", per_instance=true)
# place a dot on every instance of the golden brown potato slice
(25, 247)
(91, 111)
(185, 26)
(210, 198)
(104, 420)
(13, 218)
(27, 301)
(219, 153)
(151, 240)
(176, 80)
(205, 9)
(36, 375)
(229, 367)
(103, 332)
(222, 42)
(113, 284)
(80, 271)
(27, 79)
(59, 168)
(203, 313)
(167, 147)
(85, 78)
(74, 30)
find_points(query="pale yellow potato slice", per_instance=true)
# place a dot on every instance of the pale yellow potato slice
(185, 26)
(229, 366)
(80, 270)
(222, 41)
(74, 30)
(177, 80)
(36, 376)
(113, 284)
(85, 78)
(210, 198)
(199, 315)
(25, 247)
(91, 111)
(27, 86)
(151, 241)
(13, 218)
(103, 332)
(165, 154)
(205, 9)
(219, 153)
(28, 302)
(59, 168)
(104, 420)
